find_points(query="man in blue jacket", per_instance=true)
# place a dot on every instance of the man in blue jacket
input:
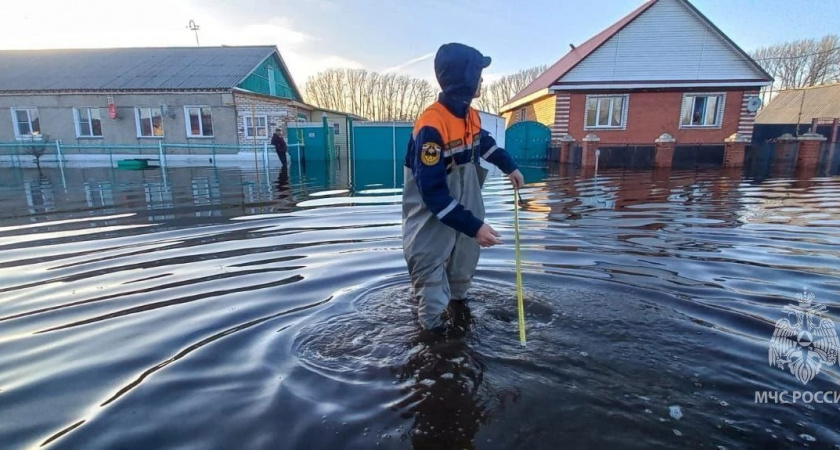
(443, 211)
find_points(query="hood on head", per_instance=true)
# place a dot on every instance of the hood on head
(458, 70)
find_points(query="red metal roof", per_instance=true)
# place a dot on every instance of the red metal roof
(574, 57)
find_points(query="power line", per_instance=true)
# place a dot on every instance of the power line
(780, 58)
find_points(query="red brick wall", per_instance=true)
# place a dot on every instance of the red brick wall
(651, 114)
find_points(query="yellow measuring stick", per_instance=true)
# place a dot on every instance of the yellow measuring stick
(519, 294)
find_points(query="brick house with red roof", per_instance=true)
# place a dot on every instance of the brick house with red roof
(664, 68)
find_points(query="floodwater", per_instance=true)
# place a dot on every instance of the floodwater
(222, 308)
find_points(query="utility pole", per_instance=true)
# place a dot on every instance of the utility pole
(194, 27)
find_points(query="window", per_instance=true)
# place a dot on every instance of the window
(335, 129)
(88, 122)
(704, 110)
(149, 122)
(256, 127)
(523, 115)
(27, 123)
(606, 111)
(199, 121)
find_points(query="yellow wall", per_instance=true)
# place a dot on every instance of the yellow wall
(541, 110)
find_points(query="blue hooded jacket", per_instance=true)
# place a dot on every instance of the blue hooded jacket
(458, 70)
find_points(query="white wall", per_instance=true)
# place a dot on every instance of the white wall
(495, 125)
(667, 42)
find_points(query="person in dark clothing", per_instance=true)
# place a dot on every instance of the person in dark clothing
(280, 146)
(443, 211)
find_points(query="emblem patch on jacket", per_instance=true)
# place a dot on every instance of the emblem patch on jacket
(430, 154)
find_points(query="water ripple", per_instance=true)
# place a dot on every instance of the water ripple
(212, 309)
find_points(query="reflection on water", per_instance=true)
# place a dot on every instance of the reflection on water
(222, 308)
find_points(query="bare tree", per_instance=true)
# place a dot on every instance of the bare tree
(497, 93)
(371, 95)
(36, 148)
(801, 63)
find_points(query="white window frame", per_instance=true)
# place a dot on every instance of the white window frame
(137, 110)
(624, 110)
(721, 107)
(77, 119)
(200, 121)
(31, 135)
(523, 114)
(249, 128)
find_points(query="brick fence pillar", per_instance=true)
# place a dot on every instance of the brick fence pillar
(733, 155)
(664, 151)
(590, 144)
(810, 145)
(566, 143)
(785, 149)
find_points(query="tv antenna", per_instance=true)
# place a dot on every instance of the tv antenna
(193, 26)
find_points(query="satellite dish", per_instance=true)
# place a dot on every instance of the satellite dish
(753, 104)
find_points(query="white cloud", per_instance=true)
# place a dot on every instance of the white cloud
(39, 24)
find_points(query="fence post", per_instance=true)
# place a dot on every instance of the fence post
(809, 150)
(590, 145)
(733, 154)
(665, 145)
(60, 162)
(394, 150)
(566, 148)
(265, 154)
(160, 154)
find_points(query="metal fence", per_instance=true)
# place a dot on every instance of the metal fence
(694, 156)
(626, 156)
(57, 152)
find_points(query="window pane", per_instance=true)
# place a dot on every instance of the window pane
(699, 111)
(23, 128)
(83, 115)
(36, 122)
(84, 128)
(604, 111)
(591, 111)
(618, 110)
(686, 111)
(22, 115)
(95, 122)
(195, 124)
(711, 111)
(157, 122)
(145, 122)
(206, 122)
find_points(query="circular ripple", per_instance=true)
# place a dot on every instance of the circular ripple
(371, 335)
(378, 327)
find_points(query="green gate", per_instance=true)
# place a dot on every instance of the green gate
(528, 141)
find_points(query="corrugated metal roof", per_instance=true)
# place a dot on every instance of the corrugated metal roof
(165, 68)
(812, 102)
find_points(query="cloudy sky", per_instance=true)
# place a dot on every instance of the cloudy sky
(313, 35)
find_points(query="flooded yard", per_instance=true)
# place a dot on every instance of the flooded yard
(225, 308)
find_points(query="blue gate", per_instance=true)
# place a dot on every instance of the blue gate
(528, 141)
